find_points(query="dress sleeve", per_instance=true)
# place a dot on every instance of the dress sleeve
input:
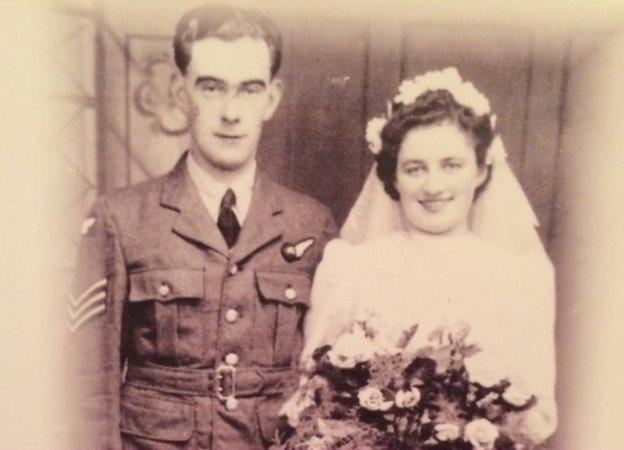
(532, 325)
(334, 292)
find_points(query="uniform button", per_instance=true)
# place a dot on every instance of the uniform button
(231, 315)
(233, 269)
(231, 359)
(231, 403)
(290, 293)
(164, 290)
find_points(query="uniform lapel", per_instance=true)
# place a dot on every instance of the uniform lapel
(264, 219)
(193, 221)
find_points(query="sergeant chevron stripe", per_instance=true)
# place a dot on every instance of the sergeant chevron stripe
(89, 304)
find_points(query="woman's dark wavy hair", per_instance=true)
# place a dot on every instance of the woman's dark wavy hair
(430, 107)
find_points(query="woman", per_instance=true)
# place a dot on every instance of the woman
(442, 233)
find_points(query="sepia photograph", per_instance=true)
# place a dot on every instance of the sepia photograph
(295, 225)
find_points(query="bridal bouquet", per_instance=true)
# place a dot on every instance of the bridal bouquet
(372, 391)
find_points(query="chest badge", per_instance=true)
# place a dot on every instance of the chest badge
(294, 252)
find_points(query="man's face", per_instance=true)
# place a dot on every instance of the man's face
(230, 94)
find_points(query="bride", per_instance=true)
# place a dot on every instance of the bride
(443, 233)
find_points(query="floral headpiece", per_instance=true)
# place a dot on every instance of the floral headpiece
(448, 79)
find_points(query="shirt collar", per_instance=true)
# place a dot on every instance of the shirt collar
(211, 190)
(214, 188)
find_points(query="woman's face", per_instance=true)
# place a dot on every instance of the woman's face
(437, 175)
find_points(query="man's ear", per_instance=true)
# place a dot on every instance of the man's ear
(275, 95)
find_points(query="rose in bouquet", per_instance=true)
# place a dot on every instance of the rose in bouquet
(372, 389)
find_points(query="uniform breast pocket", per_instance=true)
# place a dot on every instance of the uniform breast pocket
(161, 302)
(284, 299)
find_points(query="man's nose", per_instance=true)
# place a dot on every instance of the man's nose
(230, 110)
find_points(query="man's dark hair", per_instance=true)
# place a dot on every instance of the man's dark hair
(227, 23)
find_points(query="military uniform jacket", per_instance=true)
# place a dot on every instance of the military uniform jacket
(176, 340)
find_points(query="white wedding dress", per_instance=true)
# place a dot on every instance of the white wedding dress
(405, 278)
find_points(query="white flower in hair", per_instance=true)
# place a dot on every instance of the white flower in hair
(373, 133)
(448, 79)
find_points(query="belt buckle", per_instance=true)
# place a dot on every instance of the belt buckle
(225, 389)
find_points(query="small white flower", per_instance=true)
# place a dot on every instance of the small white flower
(373, 133)
(446, 432)
(483, 370)
(516, 395)
(407, 399)
(372, 399)
(448, 79)
(481, 434)
(350, 349)
(318, 443)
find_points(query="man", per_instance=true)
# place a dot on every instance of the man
(187, 310)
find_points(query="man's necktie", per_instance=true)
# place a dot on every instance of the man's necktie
(227, 222)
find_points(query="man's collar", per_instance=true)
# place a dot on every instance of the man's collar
(213, 187)
(265, 216)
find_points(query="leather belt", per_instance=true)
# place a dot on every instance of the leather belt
(223, 382)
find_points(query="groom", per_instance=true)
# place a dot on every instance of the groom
(186, 312)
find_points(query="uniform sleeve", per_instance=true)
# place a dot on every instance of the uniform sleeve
(94, 312)
(332, 298)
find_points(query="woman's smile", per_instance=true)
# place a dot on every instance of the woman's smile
(434, 205)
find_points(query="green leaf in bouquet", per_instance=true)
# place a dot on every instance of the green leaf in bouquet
(406, 336)
(440, 355)
(437, 335)
(336, 429)
(469, 350)
(504, 442)
(384, 369)
(456, 386)
(422, 368)
(459, 333)
(449, 412)
(369, 331)
(320, 352)
(513, 426)
(346, 380)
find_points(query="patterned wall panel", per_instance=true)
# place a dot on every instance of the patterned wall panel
(156, 127)
(73, 145)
